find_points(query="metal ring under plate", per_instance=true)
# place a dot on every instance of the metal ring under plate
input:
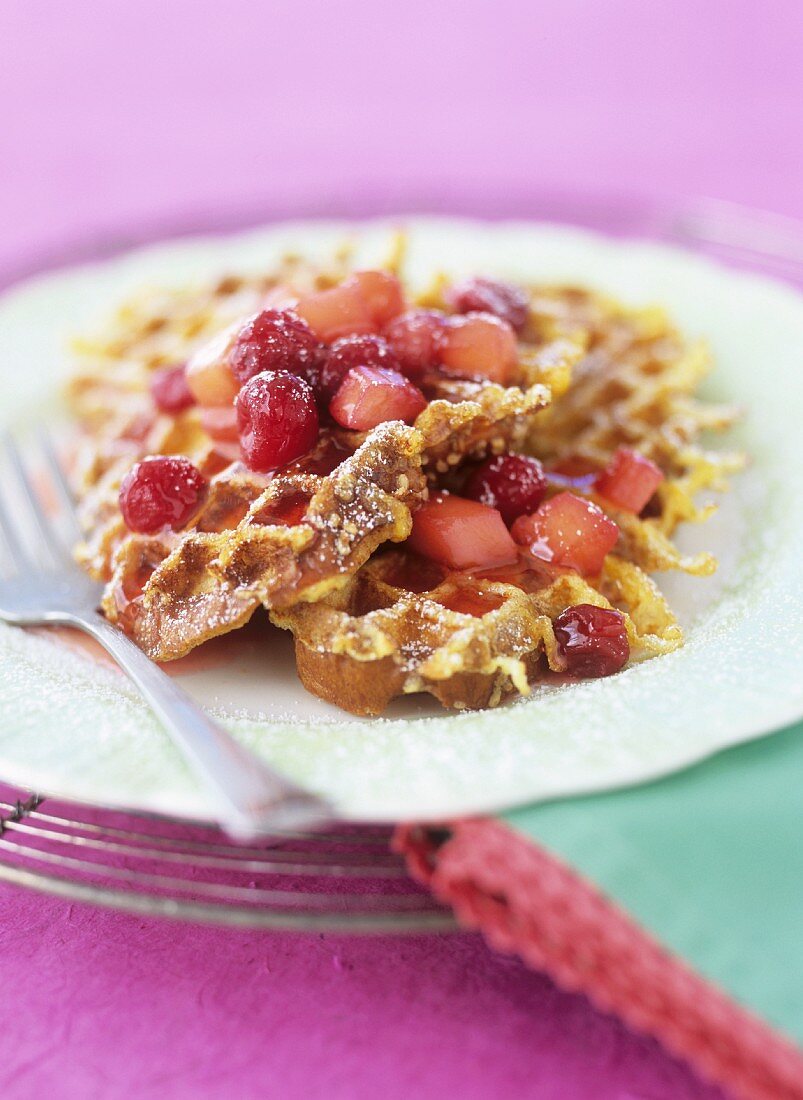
(347, 880)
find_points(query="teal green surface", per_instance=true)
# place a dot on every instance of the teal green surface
(710, 860)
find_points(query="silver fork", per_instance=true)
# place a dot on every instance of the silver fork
(45, 587)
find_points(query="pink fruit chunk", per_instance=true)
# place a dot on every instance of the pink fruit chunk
(568, 531)
(161, 491)
(339, 311)
(507, 302)
(629, 480)
(276, 340)
(479, 345)
(415, 339)
(514, 484)
(280, 296)
(220, 423)
(277, 420)
(170, 391)
(382, 293)
(592, 640)
(371, 395)
(461, 534)
(349, 352)
(209, 376)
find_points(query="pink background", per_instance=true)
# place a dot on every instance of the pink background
(119, 119)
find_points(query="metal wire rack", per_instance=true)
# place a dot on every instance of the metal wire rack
(343, 881)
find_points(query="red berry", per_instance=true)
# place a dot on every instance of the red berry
(461, 533)
(479, 345)
(161, 491)
(349, 352)
(568, 531)
(592, 640)
(513, 484)
(277, 419)
(169, 389)
(415, 339)
(275, 340)
(629, 480)
(371, 395)
(507, 302)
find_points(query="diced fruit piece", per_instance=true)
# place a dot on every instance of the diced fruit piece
(506, 301)
(592, 640)
(415, 339)
(349, 352)
(513, 484)
(161, 491)
(383, 294)
(371, 395)
(568, 531)
(209, 376)
(629, 480)
(340, 311)
(277, 419)
(462, 534)
(220, 422)
(280, 296)
(479, 345)
(274, 340)
(170, 391)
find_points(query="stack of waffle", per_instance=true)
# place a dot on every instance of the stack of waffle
(311, 543)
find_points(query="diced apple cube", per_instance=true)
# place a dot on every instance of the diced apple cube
(568, 531)
(371, 395)
(629, 480)
(461, 534)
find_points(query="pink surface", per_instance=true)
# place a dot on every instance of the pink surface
(118, 116)
(98, 1004)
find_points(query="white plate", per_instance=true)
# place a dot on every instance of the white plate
(71, 727)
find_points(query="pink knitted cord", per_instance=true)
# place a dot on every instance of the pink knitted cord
(527, 902)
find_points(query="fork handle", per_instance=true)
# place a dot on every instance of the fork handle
(251, 798)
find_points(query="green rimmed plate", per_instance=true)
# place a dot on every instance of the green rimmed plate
(73, 727)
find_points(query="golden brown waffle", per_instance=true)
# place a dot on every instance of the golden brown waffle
(259, 540)
(405, 625)
(174, 591)
(635, 387)
(304, 543)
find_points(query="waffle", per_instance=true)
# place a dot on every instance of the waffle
(172, 592)
(404, 625)
(313, 542)
(635, 387)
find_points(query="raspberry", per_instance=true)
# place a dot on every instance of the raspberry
(507, 302)
(513, 484)
(169, 389)
(349, 352)
(277, 419)
(415, 339)
(592, 640)
(161, 491)
(274, 340)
